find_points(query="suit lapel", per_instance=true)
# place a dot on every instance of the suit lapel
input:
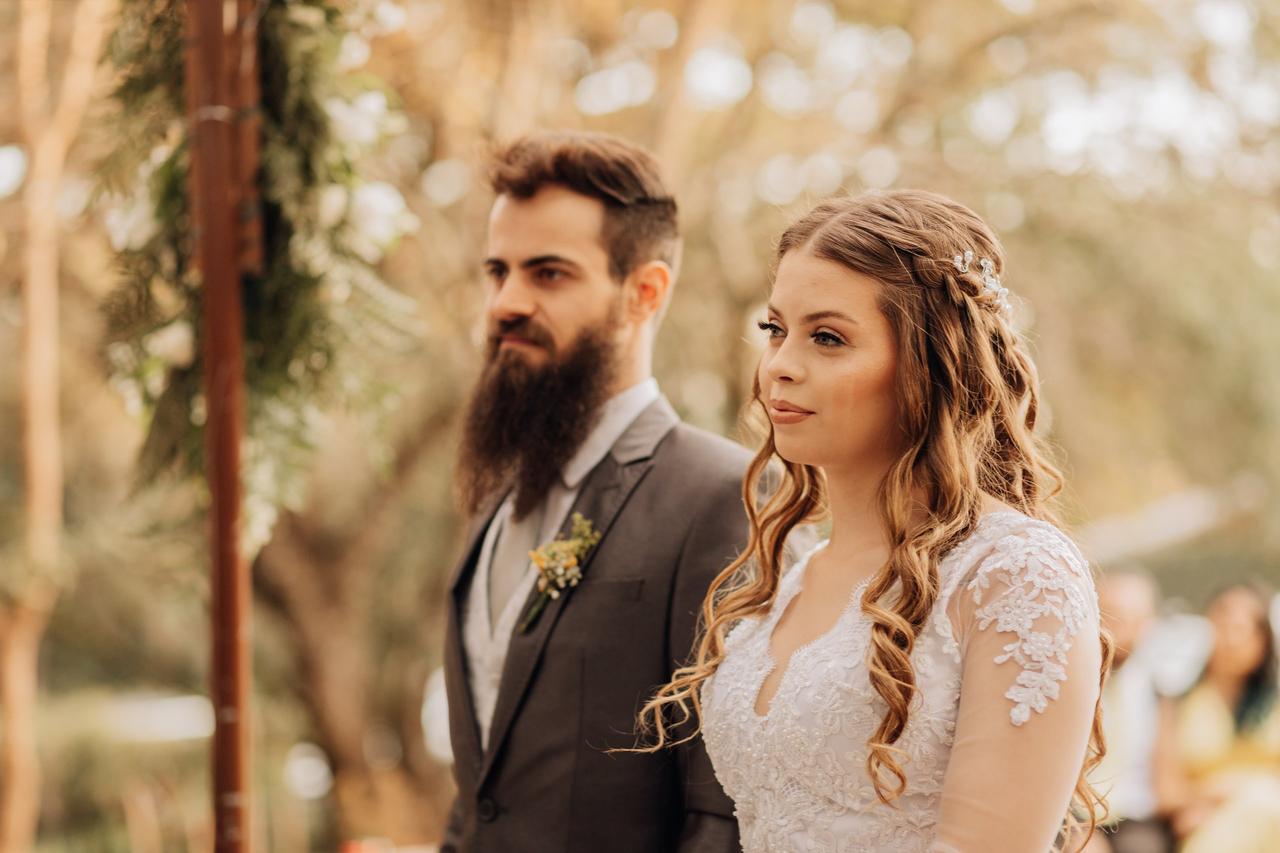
(601, 499)
(475, 536)
(455, 664)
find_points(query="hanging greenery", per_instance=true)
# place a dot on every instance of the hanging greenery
(319, 312)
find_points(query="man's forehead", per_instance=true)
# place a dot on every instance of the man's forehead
(552, 219)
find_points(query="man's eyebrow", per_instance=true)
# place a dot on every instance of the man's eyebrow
(530, 263)
(820, 315)
(542, 260)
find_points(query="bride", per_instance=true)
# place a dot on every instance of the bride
(928, 678)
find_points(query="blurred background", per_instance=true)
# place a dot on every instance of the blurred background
(1127, 152)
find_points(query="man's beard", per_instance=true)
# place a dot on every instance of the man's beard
(524, 423)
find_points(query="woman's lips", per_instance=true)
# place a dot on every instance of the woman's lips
(787, 414)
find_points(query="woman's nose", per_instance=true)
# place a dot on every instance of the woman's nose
(784, 365)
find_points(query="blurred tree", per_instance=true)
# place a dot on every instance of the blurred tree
(48, 126)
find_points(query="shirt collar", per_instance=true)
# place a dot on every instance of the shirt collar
(615, 416)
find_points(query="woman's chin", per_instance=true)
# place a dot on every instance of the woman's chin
(795, 452)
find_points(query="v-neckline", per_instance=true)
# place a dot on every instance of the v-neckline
(855, 600)
(771, 662)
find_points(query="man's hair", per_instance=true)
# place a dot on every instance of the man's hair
(640, 218)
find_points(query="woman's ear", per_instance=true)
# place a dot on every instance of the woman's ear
(648, 287)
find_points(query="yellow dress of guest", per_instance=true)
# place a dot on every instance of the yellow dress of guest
(1243, 769)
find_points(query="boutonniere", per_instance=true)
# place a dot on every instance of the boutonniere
(559, 565)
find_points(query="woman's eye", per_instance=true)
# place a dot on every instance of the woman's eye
(774, 330)
(827, 339)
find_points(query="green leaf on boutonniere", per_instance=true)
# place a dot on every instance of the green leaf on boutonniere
(559, 565)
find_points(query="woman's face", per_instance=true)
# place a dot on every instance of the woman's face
(1239, 634)
(829, 371)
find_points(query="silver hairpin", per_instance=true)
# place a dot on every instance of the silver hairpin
(993, 285)
(990, 282)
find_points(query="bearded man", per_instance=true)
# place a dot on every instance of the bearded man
(552, 648)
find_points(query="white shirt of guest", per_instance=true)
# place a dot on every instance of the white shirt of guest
(1130, 706)
(486, 642)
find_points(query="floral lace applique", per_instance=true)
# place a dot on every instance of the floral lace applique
(1036, 586)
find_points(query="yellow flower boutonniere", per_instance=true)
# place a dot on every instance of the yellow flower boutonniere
(559, 565)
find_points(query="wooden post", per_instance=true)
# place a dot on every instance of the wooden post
(221, 69)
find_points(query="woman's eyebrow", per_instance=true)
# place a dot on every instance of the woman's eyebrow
(820, 315)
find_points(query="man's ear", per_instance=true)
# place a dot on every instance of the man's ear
(648, 287)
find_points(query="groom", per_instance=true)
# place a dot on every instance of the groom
(567, 420)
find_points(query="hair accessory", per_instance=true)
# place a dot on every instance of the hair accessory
(989, 279)
(993, 285)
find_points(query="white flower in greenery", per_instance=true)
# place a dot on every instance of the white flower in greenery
(173, 344)
(261, 493)
(158, 155)
(131, 393)
(446, 181)
(154, 381)
(257, 522)
(131, 224)
(331, 206)
(121, 357)
(358, 122)
(307, 16)
(353, 53)
(310, 252)
(336, 290)
(199, 410)
(379, 216)
(388, 18)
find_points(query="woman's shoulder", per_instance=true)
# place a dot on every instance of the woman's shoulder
(1011, 548)
(1012, 533)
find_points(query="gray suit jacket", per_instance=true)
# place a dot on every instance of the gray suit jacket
(667, 499)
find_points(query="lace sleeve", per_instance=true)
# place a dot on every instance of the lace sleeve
(1027, 620)
(1035, 590)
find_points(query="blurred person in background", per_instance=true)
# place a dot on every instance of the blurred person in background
(1129, 601)
(1218, 754)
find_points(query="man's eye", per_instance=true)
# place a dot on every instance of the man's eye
(774, 330)
(550, 274)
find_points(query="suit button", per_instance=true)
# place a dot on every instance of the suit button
(486, 809)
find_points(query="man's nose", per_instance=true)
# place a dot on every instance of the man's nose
(512, 299)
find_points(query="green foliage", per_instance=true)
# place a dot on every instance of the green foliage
(318, 293)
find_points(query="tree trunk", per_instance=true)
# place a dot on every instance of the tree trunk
(21, 627)
(319, 581)
(48, 130)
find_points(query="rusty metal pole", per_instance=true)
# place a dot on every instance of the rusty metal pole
(220, 175)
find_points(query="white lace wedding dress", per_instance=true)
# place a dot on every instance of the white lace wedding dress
(1007, 678)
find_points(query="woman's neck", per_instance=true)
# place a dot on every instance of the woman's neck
(857, 524)
(858, 535)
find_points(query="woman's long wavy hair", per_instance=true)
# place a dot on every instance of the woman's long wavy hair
(968, 402)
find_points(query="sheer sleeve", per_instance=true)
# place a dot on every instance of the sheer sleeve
(1026, 624)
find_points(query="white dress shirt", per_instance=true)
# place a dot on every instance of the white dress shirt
(485, 640)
